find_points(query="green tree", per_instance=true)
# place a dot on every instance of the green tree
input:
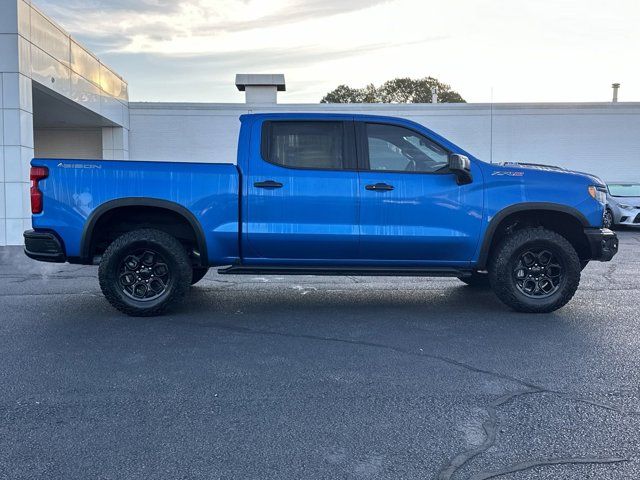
(399, 90)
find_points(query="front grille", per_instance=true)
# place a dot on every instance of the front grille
(637, 219)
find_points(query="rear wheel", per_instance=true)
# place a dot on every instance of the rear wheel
(144, 272)
(476, 280)
(535, 270)
(198, 274)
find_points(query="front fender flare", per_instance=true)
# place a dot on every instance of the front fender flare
(494, 223)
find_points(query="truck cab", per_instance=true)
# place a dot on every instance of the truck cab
(347, 193)
(322, 194)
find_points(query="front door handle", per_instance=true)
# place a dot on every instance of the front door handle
(380, 187)
(268, 184)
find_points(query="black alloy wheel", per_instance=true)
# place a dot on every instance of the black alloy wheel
(144, 272)
(538, 273)
(607, 219)
(144, 275)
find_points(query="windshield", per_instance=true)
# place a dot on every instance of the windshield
(624, 190)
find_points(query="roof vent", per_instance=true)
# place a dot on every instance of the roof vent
(261, 88)
(616, 87)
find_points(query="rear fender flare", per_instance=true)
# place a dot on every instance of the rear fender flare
(94, 217)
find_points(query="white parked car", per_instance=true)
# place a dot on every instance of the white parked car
(623, 204)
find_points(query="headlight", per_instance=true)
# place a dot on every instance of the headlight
(598, 193)
(625, 207)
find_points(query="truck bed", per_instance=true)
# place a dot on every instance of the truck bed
(76, 191)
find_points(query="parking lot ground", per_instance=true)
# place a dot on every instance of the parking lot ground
(318, 377)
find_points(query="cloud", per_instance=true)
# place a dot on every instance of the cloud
(73, 8)
(265, 58)
(157, 43)
(501, 46)
(299, 11)
(129, 24)
(158, 77)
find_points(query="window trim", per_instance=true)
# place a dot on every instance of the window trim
(349, 161)
(363, 149)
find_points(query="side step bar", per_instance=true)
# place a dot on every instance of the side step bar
(337, 271)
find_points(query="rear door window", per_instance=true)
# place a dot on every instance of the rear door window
(308, 144)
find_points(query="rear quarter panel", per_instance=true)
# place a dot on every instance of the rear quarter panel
(76, 188)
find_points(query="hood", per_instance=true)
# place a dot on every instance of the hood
(633, 201)
(553, 168)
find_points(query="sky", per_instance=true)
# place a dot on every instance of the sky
(487, 50)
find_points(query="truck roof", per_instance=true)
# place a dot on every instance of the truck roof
(355, 117)
(297, 115)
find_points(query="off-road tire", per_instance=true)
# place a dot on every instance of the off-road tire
(174, 255)
(198, 274)
(505, 260)
(476, 280)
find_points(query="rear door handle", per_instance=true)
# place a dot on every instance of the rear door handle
(380, 187)
(268, 184)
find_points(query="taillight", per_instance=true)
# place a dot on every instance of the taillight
(37, 174)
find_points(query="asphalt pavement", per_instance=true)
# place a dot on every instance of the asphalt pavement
(318, 378)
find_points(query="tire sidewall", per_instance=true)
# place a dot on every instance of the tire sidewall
(110, 270)
(503, 281)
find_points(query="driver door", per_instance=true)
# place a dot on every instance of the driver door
(412, 210)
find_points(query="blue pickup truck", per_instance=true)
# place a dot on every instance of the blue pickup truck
(321, 194)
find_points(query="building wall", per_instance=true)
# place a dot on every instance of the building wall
(187, 133)
(601, 138)
(80, 143)
(34, 49)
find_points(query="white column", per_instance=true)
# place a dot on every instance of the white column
(115, 143)
(16, 122)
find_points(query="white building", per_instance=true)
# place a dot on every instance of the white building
(60, 101)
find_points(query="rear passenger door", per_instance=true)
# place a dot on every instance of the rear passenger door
(302, 193)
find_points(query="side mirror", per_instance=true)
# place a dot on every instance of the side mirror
(461, 166)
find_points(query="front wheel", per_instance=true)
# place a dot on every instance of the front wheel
(607, 219)
(144, 272)
(535, 270)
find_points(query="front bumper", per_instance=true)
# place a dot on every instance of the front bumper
(628, 217)
(603, 243)
(44, 247)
